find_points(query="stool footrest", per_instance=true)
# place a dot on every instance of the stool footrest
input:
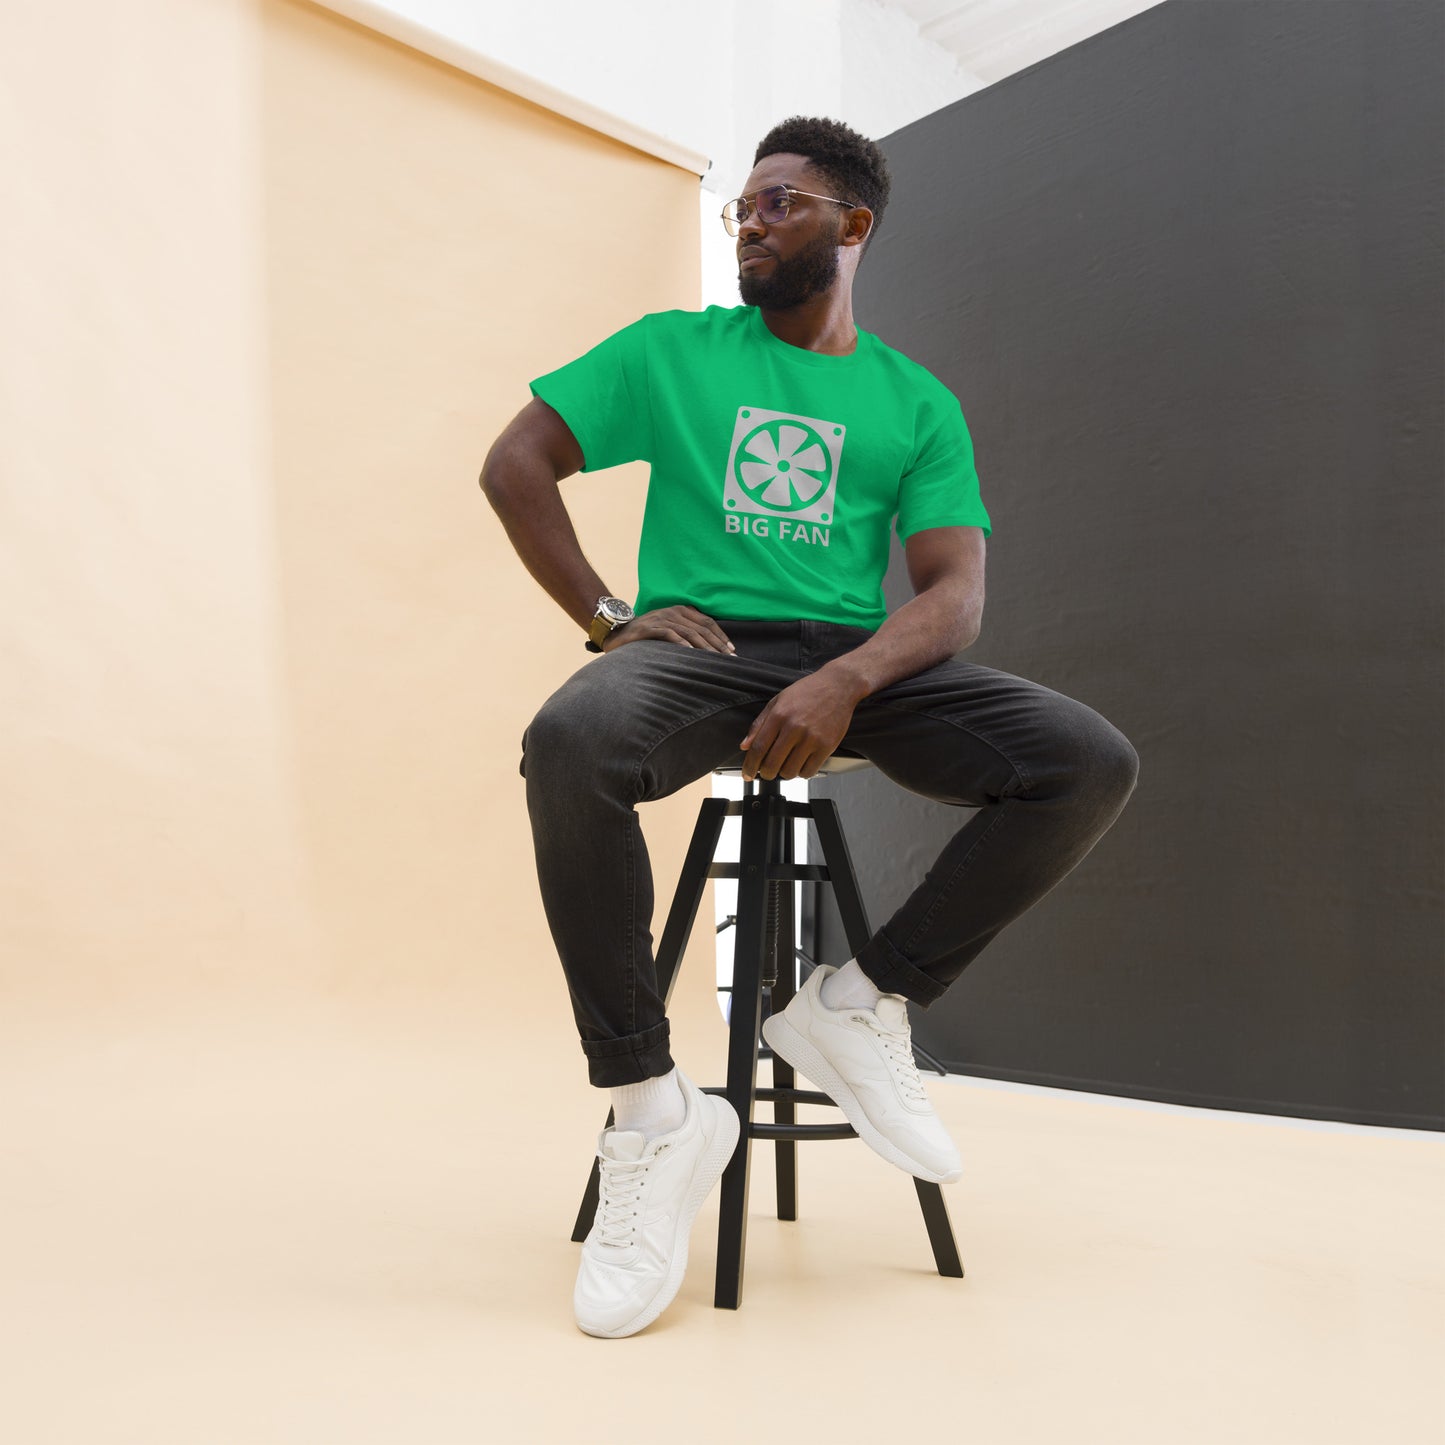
(776, 872)
(779, 1096)
(794, 1132)
(802, 1131)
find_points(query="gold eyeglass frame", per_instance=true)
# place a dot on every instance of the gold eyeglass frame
(733, 224)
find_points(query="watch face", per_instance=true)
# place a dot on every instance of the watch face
(615, 610)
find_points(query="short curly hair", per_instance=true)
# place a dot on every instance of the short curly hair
(853, 164)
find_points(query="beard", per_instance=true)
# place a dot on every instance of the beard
(808, 274)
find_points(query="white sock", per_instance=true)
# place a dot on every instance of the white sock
(850, 987)
(653, 1107)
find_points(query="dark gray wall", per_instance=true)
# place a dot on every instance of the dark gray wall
(1186, 278)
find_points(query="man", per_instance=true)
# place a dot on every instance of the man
(785, 443)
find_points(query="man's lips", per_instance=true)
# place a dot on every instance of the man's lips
(753, 253)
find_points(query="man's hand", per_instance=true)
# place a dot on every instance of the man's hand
(800, 728)
(685, 625)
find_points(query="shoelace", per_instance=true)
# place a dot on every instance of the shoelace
(620, 1187)
(899, 1048)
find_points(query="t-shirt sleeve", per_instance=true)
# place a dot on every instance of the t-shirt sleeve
(940, 487)
(603, 398)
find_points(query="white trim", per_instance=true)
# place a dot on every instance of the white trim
(454, 52)
(1196, 1111)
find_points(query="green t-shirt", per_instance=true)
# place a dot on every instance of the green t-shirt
(776, 472)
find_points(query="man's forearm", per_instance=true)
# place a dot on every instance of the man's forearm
(935, 625)
(525, 496)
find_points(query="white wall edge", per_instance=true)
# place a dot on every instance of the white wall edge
(453, 52)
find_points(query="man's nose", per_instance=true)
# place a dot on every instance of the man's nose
(753, 226)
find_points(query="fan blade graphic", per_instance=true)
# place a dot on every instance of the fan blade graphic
(811, 460)
(790, 438)
(779, 494)
(762, 446)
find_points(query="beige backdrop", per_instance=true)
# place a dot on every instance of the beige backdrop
(267, 656)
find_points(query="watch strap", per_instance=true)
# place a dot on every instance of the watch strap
(598, 632)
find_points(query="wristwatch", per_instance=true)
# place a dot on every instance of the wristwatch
(611, 613)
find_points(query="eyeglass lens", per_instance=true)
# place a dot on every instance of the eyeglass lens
(771, 204)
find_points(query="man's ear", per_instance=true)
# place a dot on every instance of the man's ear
(857, 226)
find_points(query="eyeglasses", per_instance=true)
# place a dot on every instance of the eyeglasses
(771, 205)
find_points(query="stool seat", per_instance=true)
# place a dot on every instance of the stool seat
(765, 970)
(838, 763)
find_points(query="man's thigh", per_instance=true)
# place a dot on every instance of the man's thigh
(966, 734)
(656, 714)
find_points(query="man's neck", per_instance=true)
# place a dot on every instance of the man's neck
(823, 324)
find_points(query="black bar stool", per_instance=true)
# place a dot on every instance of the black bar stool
(765, 962)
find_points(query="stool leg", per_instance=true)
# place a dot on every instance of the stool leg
(745, 1019)
(783, 940)
(839, 863)
(587, 1211)
(691, 884)
(940, 1231)
(855, 924)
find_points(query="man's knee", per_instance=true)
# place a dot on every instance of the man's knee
(1096, 762)
(556, 738)
(1111, 766)
(1120, 767)
(585, 740)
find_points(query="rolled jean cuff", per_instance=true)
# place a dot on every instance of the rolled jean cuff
(614, 1062)
(893, 973)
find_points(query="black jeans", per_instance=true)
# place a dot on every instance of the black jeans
(1048, 775)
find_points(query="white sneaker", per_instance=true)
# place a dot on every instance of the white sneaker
(863, 1060)
(635, 1256)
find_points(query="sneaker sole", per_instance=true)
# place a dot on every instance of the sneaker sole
(714, 1160)
(785, 1040)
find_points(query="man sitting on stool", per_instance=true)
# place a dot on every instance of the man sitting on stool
(784, 445)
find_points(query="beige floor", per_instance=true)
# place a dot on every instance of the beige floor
(330, 1223)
